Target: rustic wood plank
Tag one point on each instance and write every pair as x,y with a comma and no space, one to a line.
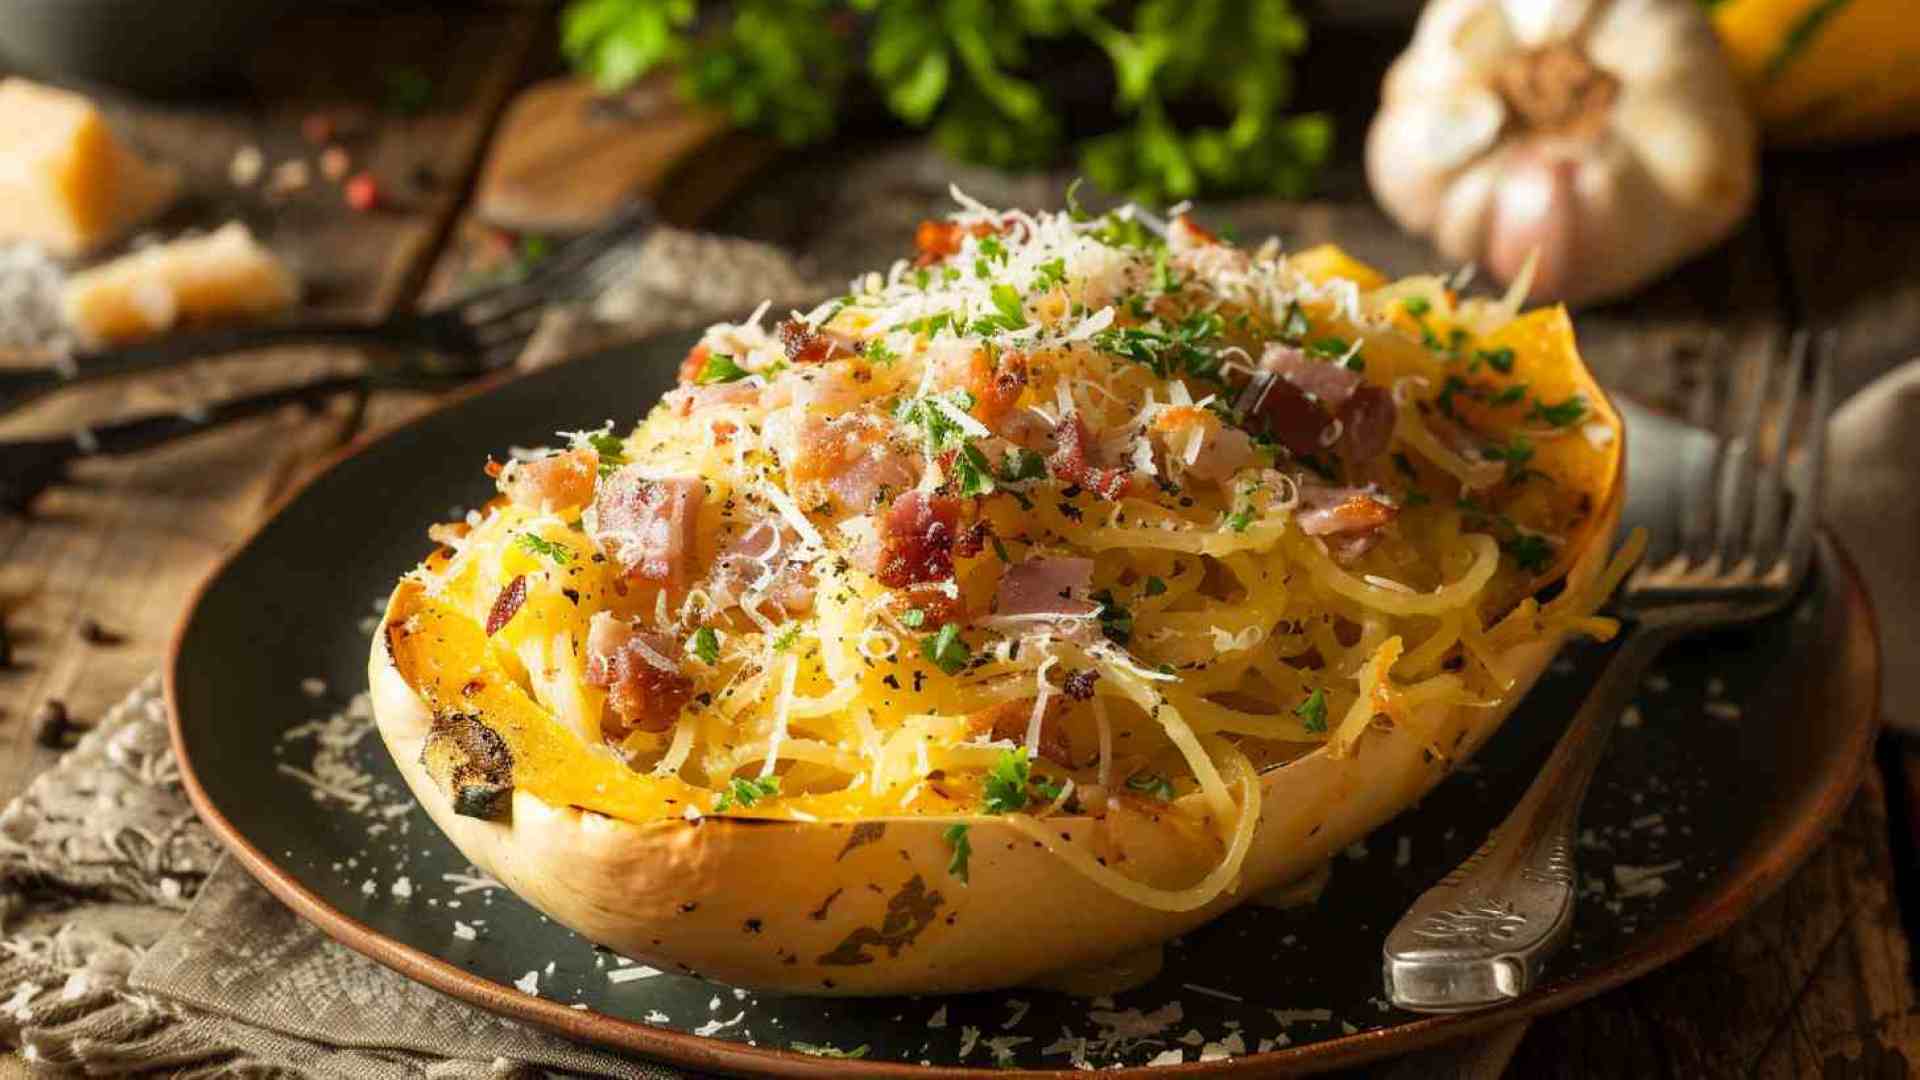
129,540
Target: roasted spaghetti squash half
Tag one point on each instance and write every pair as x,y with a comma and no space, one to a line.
1041,598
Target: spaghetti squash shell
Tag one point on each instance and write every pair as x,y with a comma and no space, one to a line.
870,906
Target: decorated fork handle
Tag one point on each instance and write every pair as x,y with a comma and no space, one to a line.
1481,936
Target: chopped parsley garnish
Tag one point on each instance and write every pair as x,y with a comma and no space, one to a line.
1313,712
1012,315
535,544
1116,622
1331,347
1516,454
946,649
878,353
956,838
1000,549
1021,464
991,247
972,473
745,792
720,368
1164,279
935,425
1052,272
1155,586
789,634
1008,781
1500,360
1417,306
1565,414
1532,553
1510,396
1241,518
1153,784
1074,210
705,644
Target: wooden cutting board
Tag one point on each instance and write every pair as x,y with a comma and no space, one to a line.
565,156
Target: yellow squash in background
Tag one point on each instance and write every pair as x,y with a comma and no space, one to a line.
1826,71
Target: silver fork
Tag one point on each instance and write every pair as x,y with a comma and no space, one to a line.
1482,936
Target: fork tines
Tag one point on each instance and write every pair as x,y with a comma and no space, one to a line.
1744,520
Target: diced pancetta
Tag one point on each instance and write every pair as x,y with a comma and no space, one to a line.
758,563
646,526
1047,585
1349,519
553,484
1366,424
853,460
1330,382
1072,461
1196,443
917,538
1009,721
639,670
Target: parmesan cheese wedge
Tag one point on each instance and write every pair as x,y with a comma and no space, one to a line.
67,183
220,276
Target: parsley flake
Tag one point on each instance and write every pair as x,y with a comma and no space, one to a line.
746,791
1116,622
1500,360
956,838
1532,553
720,368
1148,783
947,650
705,644
1313,712
535,544
1565,414
1007,781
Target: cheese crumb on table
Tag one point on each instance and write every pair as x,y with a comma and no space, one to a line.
67,182
221,276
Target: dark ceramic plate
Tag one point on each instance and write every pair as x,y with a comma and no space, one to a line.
1781,713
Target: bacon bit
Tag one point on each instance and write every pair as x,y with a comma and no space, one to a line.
554,483
1352,518
1283,412
743,563
1069,463
936,240
920,531
973,539
1366,424
996,388
639,691
1332,383
1009,720
507,604
446,533
694,364
849,458
492,468
805,345
1078,684
647,526
1223,450
1050,585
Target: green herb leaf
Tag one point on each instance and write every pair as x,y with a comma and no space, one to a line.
705,644
720,368
1155,586
535,544
1116,622
1021,464
1007,780
956,838
947,650
1500,360
1313,712
745,791
912,618
1564,414
972,473
1007,301
1532,553
789,634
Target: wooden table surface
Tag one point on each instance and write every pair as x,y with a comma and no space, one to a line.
1817,982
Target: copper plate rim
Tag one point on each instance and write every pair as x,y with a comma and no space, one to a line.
1813,816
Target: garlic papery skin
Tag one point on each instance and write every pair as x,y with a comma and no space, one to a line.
1607,136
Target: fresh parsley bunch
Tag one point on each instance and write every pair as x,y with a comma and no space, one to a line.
964,69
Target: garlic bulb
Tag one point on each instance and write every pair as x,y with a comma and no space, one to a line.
1605,140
